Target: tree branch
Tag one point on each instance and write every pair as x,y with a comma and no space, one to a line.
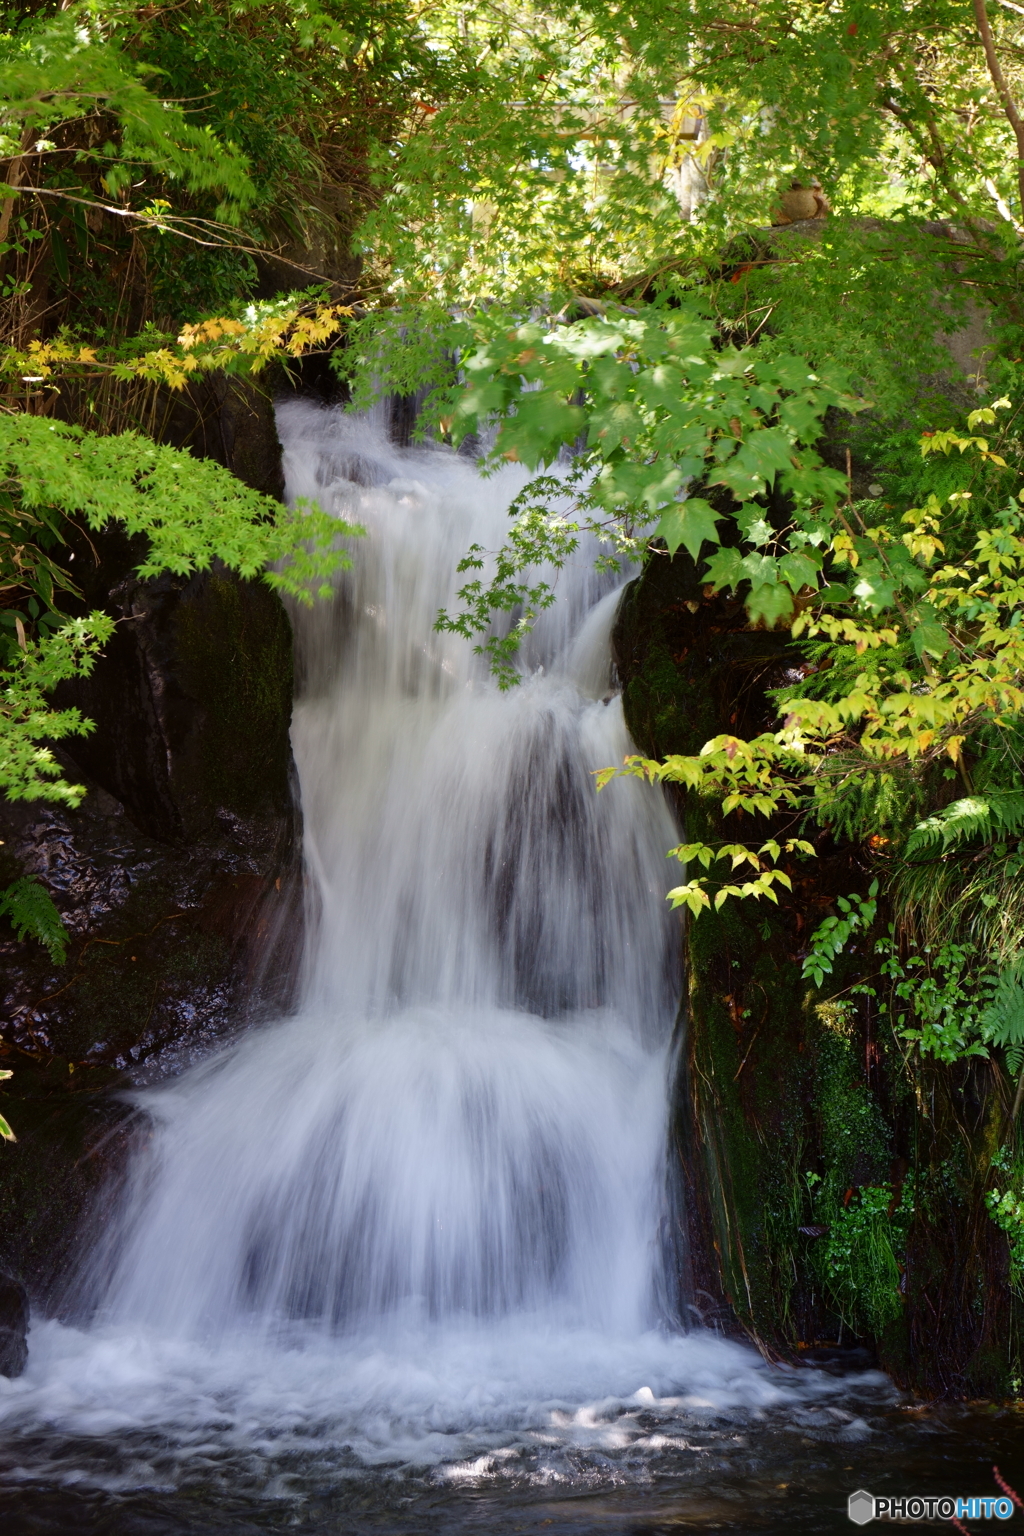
1003,91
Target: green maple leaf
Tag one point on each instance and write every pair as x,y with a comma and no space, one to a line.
769,604
690,522
725,569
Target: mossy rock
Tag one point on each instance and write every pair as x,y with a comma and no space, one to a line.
766,1093
691,669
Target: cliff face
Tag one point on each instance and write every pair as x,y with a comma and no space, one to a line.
178,877
827,1199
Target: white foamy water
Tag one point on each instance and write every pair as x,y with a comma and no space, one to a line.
422,1222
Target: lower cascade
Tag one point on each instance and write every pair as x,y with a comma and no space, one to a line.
424,1219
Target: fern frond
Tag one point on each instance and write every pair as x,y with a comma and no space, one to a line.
29,906
956,823
1002,1021
1007,807
978,818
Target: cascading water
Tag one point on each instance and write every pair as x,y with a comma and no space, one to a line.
421,1221
467,1118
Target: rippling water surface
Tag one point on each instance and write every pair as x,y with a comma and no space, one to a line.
114,1434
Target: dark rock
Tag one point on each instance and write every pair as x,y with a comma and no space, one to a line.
215,416
321,251
178,878
192,704
749,1110
230,420
13,1326
60,1180
179,875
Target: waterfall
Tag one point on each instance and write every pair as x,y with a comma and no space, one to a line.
467,1118
420,1224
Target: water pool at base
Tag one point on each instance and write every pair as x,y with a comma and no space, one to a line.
179,1452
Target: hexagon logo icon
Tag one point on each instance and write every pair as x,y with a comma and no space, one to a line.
861,1506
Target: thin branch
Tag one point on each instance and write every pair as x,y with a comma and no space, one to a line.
15,171
1013,116
172,224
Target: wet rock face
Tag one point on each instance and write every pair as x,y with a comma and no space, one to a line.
178,876
192,705
230,420
690,669
178,879
13,1326
170,945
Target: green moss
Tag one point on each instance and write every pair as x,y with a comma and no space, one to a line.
691,670
122,988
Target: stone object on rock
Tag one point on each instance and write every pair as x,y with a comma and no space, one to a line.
13,1326
801,201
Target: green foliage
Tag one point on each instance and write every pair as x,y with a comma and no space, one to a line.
57,67
857,913
105,117
869,296
28,907
857,1258
6,1134
950,1002
573,126
28,769
858,1262
1006,1208
662,406
192,512
538,536
863,801
989,818
937,1000
1002,1021
697,894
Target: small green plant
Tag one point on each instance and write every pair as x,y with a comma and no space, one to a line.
6,1134
859,1222
948,1002
29,908
857,1262
829,938
1003,1018
1006,1208
944,999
